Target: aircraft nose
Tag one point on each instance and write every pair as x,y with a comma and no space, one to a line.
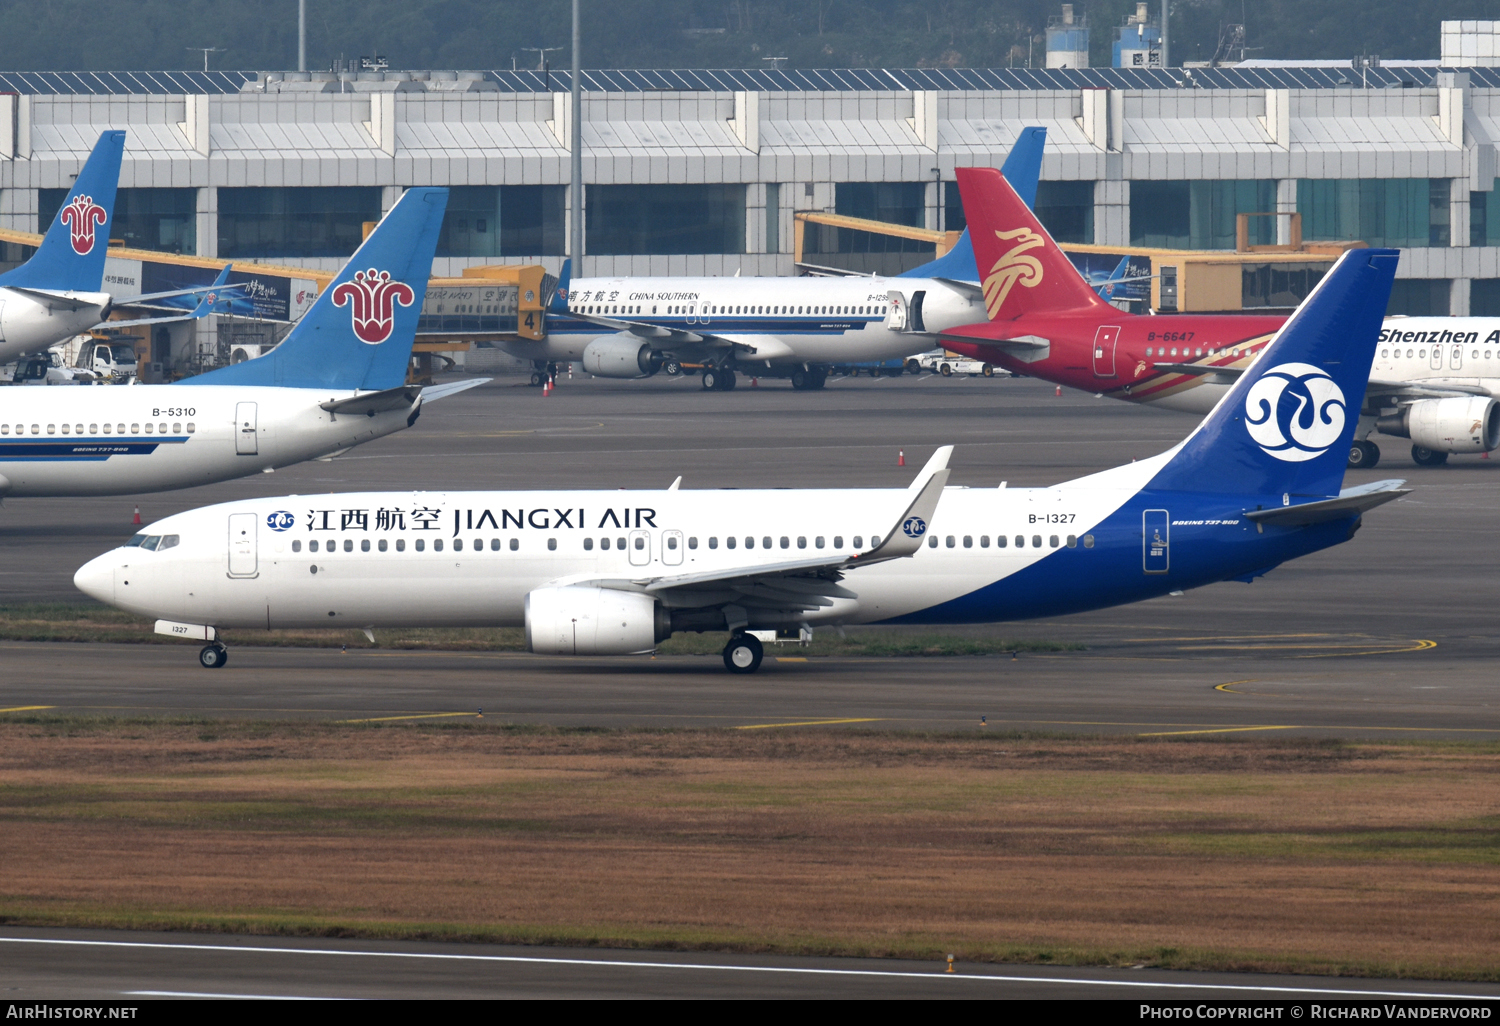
96,578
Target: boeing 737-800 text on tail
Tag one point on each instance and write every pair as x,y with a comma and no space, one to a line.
615,572
337,380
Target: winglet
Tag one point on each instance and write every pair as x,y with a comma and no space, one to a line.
559,301
905,536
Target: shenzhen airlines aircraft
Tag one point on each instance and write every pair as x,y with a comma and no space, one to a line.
1435,379
615,572
769,327
338,379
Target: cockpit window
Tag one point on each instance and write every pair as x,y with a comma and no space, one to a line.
168,541
151,542
135,540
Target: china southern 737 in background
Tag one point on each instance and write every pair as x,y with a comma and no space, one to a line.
337,380
616,572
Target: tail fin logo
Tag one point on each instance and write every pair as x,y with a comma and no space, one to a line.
1015,266
1300,432
80,216
372,297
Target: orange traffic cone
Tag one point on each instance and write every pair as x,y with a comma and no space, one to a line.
137,519
900,457
755,382
1059,390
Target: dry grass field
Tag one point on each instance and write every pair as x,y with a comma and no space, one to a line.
1323,857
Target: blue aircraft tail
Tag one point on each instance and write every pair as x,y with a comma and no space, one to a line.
359,332
1022,169
558,304
71,256
1286,425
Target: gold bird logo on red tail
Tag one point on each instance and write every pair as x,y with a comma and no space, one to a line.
1015,266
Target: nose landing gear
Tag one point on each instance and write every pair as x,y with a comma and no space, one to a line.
213,656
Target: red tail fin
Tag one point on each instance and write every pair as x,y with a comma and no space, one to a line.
1022,269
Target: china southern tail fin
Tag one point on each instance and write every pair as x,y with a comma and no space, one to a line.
1286,425
71,256
359,332
1021,268
1022,169
558,304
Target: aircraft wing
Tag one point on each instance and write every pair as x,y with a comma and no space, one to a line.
801,584
1231,373
1358,499
1436,388
968,289
68,299
207,305
1023,347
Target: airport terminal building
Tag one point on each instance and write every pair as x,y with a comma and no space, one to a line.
702,172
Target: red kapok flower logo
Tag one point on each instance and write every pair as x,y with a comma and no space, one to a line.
372,297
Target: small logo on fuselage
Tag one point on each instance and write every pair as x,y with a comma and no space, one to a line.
1295,412
281,520
914,527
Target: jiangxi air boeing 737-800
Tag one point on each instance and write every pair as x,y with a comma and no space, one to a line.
338,379
615,572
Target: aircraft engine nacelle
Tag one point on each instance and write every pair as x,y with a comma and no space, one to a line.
1467,424
580,620
621,356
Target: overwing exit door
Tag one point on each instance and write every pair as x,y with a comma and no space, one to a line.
640,548
245,431
1104,351
1156,552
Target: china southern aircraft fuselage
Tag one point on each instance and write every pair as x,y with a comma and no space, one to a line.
144,438
33,319
630,327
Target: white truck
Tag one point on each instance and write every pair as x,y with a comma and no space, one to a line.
103,358
940,361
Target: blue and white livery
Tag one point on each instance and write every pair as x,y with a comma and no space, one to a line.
795,328
615,572
338,379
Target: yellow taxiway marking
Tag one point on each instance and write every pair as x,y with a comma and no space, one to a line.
1226,687
416,716
27,708
811,723
1217,730
791,659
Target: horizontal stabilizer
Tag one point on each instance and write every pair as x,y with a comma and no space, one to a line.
443,391
1199,369
60,300
1349,501
370,403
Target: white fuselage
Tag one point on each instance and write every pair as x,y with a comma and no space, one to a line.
30,323
144,438
803,320
471,558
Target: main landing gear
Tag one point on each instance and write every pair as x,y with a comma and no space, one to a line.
1363,455
809,380
1427,457
717,379
743,654
213,656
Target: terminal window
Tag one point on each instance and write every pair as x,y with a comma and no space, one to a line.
1066,210
1399,212
163,220
284,221
627,220
1199,214
503,221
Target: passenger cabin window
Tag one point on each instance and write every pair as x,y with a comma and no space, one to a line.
1072,541
1020,541
1088,541
859,542
951,542
1001,541
384,545
1036,541
588,545
604,544
838,541
364,545
984,541
437,545
296,546
692,543
713,542
515,543
932,541
458,544
400,544
312,546
495,544
421,544
551,544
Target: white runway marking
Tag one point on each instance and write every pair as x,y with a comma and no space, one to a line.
936,974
